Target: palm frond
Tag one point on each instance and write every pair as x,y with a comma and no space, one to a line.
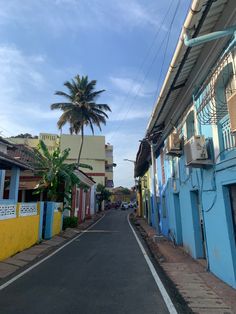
62,106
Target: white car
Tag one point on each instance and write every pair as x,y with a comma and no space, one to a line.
124,205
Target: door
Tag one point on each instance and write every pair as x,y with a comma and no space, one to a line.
179,238
199,228
232,193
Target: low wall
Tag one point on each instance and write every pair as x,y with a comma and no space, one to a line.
57,219
19,227
53,219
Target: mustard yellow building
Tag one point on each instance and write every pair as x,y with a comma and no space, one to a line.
95,153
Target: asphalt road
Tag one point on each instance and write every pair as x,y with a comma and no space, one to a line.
102,272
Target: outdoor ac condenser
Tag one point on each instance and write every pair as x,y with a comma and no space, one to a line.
173,145
195,151
232,112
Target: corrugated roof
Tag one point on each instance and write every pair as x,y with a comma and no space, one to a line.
202,22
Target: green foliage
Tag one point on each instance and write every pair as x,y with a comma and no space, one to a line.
70,222
57,177
103,194
80,109
25,135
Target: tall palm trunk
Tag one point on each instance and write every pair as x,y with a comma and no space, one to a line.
81,145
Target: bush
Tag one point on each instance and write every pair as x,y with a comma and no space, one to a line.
70,222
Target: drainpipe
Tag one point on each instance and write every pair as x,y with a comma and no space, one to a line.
155,190
208,37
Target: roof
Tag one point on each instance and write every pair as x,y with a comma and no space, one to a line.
5,142
84,178
186,71
22,153
142,159
201,19
7,162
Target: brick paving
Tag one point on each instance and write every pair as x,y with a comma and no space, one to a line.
203,292
22,259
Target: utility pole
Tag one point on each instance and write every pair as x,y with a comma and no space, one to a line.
155,189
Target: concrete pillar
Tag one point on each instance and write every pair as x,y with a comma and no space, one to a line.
92,200
49,220
14,184
2,181
41,213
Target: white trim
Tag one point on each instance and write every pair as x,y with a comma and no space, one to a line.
157,279
7,211
6,284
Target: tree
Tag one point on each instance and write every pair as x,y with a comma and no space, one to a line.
103,194
25,135
57,177
81,109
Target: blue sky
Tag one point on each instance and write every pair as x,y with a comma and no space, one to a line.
122,44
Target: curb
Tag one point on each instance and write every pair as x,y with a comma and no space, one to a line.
48,252
179,302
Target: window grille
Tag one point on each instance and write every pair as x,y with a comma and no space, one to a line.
227,137
211,99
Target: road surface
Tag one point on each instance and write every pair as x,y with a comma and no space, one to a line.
102,272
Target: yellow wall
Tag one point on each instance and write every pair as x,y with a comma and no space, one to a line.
98,165
57,223
17,234
93,148
109,175
94,151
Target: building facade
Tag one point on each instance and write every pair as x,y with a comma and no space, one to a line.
95,153
193,128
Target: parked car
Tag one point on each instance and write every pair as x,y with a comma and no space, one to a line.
124,205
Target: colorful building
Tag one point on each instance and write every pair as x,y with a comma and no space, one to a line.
192,130
95,153
21,223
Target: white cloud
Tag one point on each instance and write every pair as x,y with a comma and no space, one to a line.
128,108
62,15
127,85
21,81
17,69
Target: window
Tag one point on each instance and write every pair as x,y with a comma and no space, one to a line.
144,179
175,167
109,153
224,88
190,125
109,168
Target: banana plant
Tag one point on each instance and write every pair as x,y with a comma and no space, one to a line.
57,176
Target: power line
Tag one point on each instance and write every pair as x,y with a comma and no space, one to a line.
155,57
167,43
142,65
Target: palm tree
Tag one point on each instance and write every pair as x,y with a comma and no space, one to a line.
81,109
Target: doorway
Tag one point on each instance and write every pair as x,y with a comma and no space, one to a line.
232,194
198,225
179,237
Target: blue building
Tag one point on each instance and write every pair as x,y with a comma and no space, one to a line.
193,128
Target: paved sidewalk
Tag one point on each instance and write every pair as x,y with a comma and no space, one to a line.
203,292
13,265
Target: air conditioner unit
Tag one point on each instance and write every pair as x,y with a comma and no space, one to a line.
195,151
232,112
173,144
